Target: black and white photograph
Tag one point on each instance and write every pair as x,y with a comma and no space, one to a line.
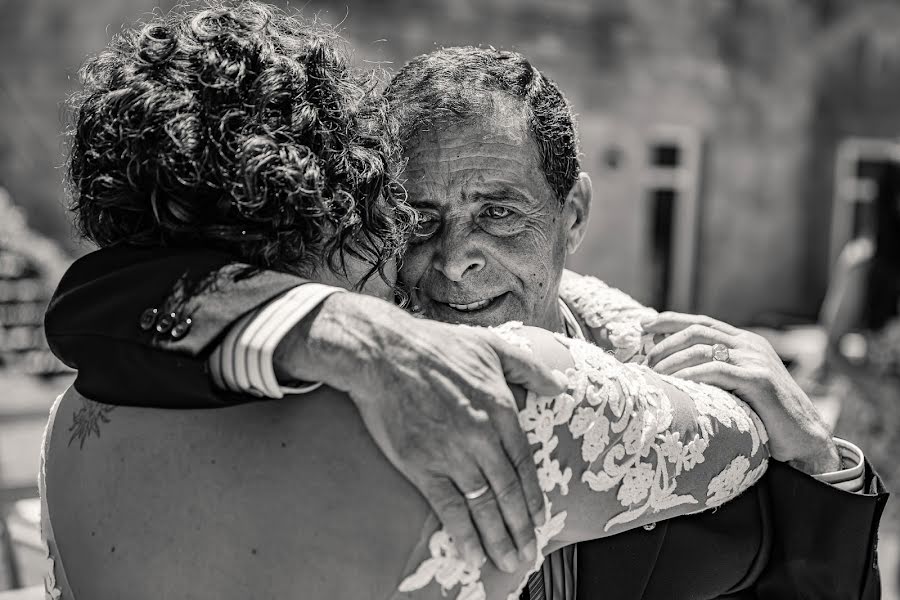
449,299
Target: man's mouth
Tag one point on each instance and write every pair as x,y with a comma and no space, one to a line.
468,307
472,306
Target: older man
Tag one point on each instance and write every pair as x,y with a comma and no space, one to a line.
493,168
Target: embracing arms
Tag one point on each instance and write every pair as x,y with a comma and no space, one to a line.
93,324
623,447
594,446
822,534
141,326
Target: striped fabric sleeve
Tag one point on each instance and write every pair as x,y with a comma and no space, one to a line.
243,362
852,477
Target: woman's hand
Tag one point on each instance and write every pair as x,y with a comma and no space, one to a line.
746,365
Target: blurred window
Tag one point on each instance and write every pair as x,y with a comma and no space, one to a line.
665,155
671,188
859,165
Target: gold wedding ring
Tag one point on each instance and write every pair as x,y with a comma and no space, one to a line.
720,352
476,494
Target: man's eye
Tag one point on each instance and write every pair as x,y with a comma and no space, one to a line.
426,227
497,212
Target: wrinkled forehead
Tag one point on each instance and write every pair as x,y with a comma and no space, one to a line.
493,148
491,117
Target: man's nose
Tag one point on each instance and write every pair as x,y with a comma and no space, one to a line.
457,254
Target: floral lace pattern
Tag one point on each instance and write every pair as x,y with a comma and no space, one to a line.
51,591
51,588
634,451
637,420
628,447
736,477
610,310
625,421
448,569
714,404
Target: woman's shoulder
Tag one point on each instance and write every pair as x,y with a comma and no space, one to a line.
551,348
260,482
613,317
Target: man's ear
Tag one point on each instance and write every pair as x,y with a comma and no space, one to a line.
577,210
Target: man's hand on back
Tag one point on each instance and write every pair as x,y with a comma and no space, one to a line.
437,401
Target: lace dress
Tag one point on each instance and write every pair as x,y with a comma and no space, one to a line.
614,452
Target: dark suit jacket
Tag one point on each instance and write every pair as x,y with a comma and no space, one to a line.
790,536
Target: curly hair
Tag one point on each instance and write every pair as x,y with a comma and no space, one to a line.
450,85
239,128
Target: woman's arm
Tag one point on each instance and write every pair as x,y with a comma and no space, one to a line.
681,345
623,447
640,447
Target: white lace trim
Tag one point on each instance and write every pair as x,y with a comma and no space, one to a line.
607,400
51,591
448,569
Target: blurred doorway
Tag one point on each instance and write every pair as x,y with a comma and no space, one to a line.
644,231
860,163
671,189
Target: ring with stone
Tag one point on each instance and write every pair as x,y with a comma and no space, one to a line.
476,494
720,352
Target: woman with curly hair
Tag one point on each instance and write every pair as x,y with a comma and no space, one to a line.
237,129
242,129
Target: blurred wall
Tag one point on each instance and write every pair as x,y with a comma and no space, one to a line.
42,45
770,87
753,78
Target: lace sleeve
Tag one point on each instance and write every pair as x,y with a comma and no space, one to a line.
623,447
651,446
614,316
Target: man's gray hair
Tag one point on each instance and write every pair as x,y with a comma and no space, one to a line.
454,84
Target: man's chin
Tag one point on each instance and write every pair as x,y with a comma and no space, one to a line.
499,311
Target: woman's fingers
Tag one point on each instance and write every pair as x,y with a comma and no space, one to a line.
691,357
723,375
692,335
672,322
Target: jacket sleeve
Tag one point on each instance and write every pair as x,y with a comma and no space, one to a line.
824,540
139,325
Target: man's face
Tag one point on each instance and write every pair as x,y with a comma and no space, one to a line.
492,243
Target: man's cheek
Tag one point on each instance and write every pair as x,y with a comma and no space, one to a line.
540,254
412,268
535,245
531,261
